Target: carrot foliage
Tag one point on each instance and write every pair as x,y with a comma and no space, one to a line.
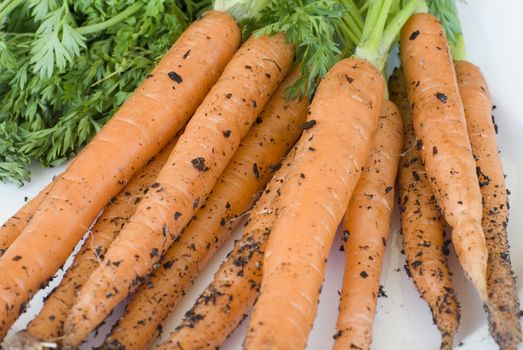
67,65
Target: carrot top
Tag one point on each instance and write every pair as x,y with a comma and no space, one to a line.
384,20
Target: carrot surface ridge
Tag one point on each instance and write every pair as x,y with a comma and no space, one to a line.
224,304
439,123
48,324
210,140
504,308
260,152
144,124
422,226
343,118
365,233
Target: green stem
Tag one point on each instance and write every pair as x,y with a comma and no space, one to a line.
10,7
97,27
459,53
354,13
375,48
422,7
372,17
369,47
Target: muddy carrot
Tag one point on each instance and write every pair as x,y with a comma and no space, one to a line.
225,302
48,324
330,155
145,123
202,153
439,123
276,130
422,226
343,117
501,286
14,226
366,229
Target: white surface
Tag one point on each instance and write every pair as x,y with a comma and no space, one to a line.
493,32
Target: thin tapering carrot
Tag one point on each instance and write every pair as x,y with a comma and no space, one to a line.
261,150
146,122
334,147
439,123
501,285
14,226
209,142
225,302
48,324
366,230
422,226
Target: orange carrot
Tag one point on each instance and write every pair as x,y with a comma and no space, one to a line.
439,123
225,302
338,139
501,285
14,226
146,122
209,142
275,131
48,324
366,229
422,226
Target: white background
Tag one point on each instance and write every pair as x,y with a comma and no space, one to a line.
493,32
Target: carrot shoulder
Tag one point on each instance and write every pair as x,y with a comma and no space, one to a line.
14,226
439,123
225,302
202,153
366,229
146,122
501,285
48,324
422,226
275,132
330,154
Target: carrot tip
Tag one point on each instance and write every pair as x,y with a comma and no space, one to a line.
446,341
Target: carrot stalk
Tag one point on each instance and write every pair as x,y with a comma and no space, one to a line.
439,123
422,226
14,226
501,285
275,132
202,153
366,229
146,122
223,305
48,324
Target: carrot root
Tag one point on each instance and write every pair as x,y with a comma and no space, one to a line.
366,229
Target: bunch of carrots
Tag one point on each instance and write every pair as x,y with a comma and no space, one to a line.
297,128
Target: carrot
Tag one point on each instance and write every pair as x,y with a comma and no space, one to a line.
223,305
209,142
275,131
147,121
439,123
422,226
14,226
501,285
48,324
341,124
366,229
330,155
